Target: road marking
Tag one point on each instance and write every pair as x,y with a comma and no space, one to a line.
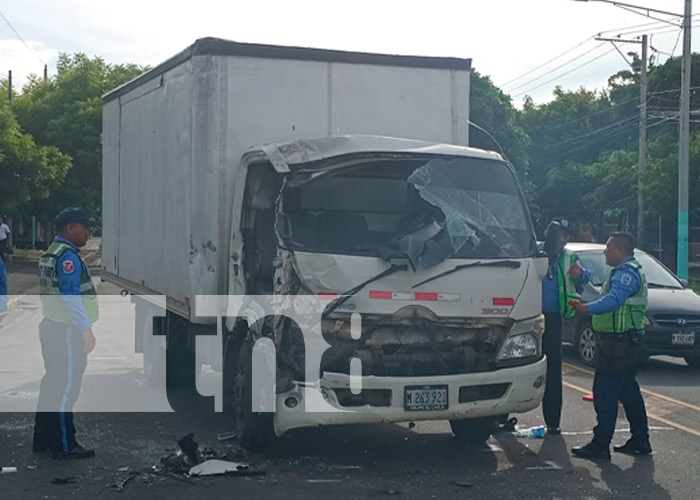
650,415
645,391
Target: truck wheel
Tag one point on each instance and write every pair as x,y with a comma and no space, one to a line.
255,430
180,369
153,355
693,360
585,343
232,348
473,431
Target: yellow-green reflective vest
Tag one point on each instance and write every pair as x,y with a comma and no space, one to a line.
566,283
630,316
52,305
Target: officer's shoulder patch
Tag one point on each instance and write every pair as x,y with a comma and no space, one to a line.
68,266
626,279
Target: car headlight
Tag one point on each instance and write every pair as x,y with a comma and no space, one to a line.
523,340
647,321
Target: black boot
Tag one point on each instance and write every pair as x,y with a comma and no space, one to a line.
632,447
592,451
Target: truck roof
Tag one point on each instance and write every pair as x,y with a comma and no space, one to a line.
220,47
307,151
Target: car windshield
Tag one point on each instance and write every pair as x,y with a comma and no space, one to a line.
472,207
657,275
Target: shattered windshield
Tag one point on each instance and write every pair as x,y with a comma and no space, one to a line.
424,209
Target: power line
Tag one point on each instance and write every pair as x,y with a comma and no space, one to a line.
602,129
546,63
549,72
21,39
564,74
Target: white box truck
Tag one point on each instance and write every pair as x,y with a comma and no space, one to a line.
238,169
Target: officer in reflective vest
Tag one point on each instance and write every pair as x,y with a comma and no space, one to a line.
565,272
69,306
618,320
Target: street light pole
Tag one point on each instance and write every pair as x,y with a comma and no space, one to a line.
642,164
684,148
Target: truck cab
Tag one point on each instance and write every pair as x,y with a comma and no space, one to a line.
424,260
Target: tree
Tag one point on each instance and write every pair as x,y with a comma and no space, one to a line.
493,111
28,173
66,112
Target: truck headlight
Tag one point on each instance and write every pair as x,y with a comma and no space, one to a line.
523,340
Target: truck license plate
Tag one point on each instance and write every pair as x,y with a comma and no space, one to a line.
425,398
683,338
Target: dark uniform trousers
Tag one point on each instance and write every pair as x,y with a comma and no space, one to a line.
63,350
617,361
551,347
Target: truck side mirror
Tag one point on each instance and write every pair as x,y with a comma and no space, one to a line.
541,265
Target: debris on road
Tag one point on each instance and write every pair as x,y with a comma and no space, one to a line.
390,491
120,483
221,467
461,484
226,436
65,480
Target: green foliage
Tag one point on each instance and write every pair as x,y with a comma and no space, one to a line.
493,110
66,112
28,173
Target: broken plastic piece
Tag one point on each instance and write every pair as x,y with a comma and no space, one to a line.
219,467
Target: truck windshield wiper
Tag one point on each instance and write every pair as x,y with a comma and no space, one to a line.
353,291
659,285
513,264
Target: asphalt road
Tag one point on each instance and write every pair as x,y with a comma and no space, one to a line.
341,462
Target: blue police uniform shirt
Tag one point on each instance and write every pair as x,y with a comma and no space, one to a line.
624,283
69,285
3,287
550,286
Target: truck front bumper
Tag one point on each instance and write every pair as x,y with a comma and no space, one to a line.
312,405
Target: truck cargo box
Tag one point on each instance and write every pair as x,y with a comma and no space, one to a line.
173,139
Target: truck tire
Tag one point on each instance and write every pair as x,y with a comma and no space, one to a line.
180,369
255,431
153,356
585,343
473,431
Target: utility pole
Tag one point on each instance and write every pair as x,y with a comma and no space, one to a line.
684,148
9,88
46,72
642,165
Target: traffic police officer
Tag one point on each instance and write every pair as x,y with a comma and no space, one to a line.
69,306
618,320
564,274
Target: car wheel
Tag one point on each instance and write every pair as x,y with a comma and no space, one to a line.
693,361
585,343
473,431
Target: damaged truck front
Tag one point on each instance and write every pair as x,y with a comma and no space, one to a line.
424,259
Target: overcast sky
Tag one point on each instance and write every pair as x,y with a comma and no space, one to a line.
504,38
